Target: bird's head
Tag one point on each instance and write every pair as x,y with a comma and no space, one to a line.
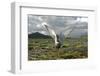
44,23
58,45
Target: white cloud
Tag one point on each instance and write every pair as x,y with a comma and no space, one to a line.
40,18
43,32
38,26
82,19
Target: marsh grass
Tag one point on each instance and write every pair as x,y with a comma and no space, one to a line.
43,49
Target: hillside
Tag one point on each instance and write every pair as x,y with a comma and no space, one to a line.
38,35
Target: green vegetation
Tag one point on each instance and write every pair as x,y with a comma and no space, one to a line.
43,49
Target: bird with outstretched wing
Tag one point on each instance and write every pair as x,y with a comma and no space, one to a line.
58,37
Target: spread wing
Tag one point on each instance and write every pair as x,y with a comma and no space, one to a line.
68,30
50,30
77,25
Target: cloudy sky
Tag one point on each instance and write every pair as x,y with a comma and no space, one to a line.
57,23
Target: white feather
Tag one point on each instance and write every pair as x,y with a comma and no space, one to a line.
51,32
